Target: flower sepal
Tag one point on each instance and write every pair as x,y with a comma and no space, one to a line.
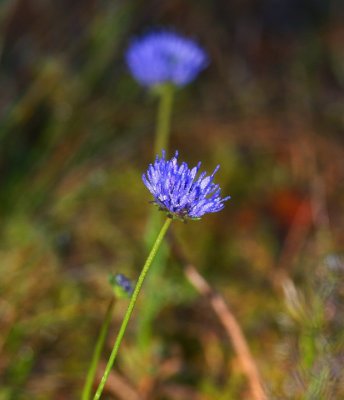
174,216
160,89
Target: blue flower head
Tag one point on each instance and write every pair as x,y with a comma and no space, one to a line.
177,191
165,57
121,285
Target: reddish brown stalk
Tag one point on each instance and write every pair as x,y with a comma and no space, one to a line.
232,328
300,226
293,243
118,386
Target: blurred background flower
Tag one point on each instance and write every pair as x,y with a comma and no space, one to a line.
165,57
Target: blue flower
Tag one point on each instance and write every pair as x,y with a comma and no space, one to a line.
177,191
165,57
121,285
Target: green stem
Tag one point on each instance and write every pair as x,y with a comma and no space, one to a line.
131,306
164,118
165,93
86,393
153,298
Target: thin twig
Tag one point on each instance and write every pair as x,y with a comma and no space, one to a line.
227,319
232,328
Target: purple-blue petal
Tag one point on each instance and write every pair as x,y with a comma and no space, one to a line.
176,189
164,56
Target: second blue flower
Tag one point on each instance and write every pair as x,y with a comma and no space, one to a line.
165,57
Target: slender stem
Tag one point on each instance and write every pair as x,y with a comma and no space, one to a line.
86,393
153,299
131,306
164,118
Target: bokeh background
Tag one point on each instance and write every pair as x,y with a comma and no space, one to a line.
76,133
